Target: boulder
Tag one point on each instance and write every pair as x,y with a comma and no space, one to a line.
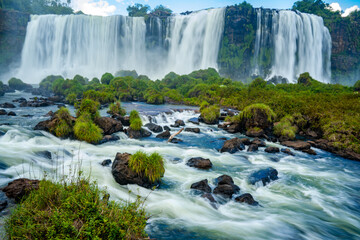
209,197
255,132
153,127
109,125
166,128
232,128
194,130
253,148
272,150
44,125
225,186
258,142
20,188
178,123
106,162
164,135
194,121
309,151
329,146
287,151
45,154
124,175
108,138
199,162
263,175
246,198
297,145
2,112
7,105
245,141
176,140
136,134
11,113
125,120
201,186
232,146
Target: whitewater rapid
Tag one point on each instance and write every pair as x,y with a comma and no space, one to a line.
315,197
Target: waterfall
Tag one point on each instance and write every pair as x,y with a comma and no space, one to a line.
92,45
299,43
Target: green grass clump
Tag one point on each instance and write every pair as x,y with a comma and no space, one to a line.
86,130
253,109
88,106
115,108
64,125
134,114
285,128
210,114
150,166
136,124
74,210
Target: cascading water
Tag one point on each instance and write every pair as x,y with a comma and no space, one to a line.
298,43
91,46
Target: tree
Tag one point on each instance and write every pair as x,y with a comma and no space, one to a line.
138,10
161,10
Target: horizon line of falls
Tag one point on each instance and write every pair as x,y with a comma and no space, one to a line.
92,45
289,43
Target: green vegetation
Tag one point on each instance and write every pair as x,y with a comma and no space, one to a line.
138,10
2,91
75,210
149,166
106,78
71,98
86,130
38,6
17,84
210,114
258,108
64,125
115,108
135,120
90,107
357,86
285,128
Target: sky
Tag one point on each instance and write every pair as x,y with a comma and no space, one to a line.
112,7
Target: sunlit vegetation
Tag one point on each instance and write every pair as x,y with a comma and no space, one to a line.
135,120
150,166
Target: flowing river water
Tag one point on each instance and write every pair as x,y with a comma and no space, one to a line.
315,197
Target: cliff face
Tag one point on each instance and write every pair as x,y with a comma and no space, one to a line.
12,35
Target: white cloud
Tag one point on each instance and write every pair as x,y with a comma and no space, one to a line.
334,7
350,10
94,7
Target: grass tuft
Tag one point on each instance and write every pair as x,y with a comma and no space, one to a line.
150,166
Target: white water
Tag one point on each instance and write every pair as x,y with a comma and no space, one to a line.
300,43
91,46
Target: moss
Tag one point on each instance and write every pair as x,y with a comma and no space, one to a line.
75,210
150,166
86,130
252,109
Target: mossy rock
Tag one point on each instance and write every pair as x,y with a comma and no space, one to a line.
256,116
210,114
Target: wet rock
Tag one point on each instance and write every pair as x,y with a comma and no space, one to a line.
109,125
164,135
136,134
309,151
2,133
246,198
166,128
201,186
125,120
176,140
44,125
263,175
178,123
2,112
194,130
232,128
209,197
108,138
245,141
44,154
287,151
297,145
11,113
7,105
329,146
27,115
106,162
194,121
19,188
232,146
199,162
3,204
255,132
49,114
258,142
20,100
225,186
253,148
153,127
123,174
272,150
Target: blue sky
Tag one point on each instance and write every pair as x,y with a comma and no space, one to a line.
110,7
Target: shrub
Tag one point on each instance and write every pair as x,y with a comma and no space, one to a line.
17,84
86,130
136,124
305,79
115,108
106,78
88,106
254,109
134,114
71,98
150,166
47,82
210,114
258,83
94,81
75,210
80,79
126,73
64,125
285,128
357,86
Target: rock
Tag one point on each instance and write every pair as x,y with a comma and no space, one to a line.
209,197
263,175
194,130
44,125
27,115
232,146
3,204
166,128
178,123
3,112
309,151
176,140
19,188
329,146
255,132
232,128
245,141
136,134
253,148
164,135
2,133
7,105
287,151
11,113
125,120
258,142
20,100
49,114
123,174
108,138
297,145
109,125
194,121
272,150
201,186
246,198
199,162
153,127
45,154
225,186
106,162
